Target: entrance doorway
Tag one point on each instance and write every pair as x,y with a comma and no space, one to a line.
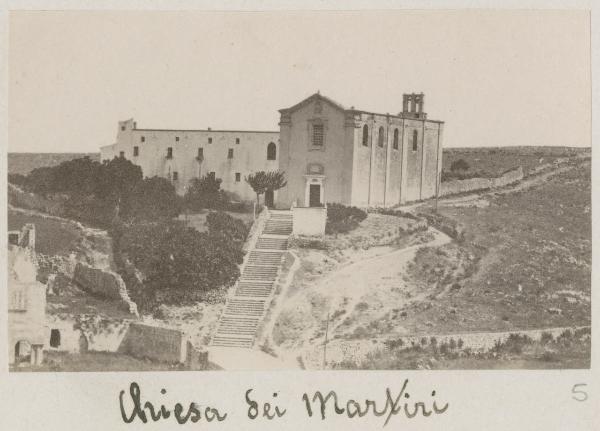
269,199
22,352
314,195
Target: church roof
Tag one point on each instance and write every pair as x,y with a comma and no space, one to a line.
319,96
309,99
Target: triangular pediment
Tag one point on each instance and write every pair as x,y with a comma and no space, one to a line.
315,97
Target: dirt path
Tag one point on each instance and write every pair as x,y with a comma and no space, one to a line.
478,198
340,293
355,280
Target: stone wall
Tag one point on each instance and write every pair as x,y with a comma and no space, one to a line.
309,221
357,351
104,283
474,184
154,342
97,281
81,333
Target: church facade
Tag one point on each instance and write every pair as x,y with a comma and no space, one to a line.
329,153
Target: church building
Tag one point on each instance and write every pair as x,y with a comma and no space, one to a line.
329,153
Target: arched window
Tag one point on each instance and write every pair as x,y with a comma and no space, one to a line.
271,151
380,137
365,138
415,140
395,139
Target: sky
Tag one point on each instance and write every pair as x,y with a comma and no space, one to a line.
496,78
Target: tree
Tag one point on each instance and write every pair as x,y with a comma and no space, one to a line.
262,181
179,264
114,183
152,199
204,192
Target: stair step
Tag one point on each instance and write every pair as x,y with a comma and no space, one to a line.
271,243
232,341
253,293
249,288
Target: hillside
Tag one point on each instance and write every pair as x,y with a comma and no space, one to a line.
23,163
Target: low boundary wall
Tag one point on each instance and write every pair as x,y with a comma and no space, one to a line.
309,221
472,184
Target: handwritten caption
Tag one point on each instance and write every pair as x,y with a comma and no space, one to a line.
394,402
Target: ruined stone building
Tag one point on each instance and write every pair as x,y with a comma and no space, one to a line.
329,153
26,300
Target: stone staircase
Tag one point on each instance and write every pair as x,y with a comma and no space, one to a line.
252,294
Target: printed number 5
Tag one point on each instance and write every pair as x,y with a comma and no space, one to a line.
579,394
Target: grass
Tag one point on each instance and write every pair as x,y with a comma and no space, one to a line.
198,220
53,237
569,351
100,361
525,261
376,230
495,161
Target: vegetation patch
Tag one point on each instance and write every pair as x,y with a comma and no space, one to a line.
524,261
179,264
342,219
571,349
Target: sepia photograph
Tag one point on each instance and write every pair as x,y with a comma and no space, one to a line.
307,190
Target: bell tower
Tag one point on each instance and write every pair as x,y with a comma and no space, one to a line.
413,106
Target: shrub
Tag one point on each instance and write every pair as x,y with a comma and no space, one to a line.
546,337
152,199
452,343
222,224
342,219
17,179
514,343
95,192
362,306
548,356
179,264
459,165
205,192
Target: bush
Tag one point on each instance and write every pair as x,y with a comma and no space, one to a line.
93,192
205,192
17,179
152,199
179,264
459,165
546,337
342,219
220,223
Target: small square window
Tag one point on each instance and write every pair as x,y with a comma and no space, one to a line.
142,139
210,140
136,151
237,141
212,174
121,154
230,153
176,138
238,177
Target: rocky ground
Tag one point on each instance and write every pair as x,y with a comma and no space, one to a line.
524,262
